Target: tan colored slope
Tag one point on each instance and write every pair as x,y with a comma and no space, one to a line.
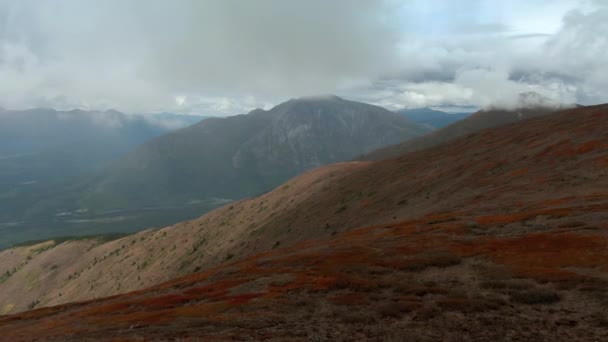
48,274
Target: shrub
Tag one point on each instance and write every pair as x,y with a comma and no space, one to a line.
424,261
349,299
33,304
358,317
393,309
470,305
419,290
536,296
600,319
341,209
505,285
355,284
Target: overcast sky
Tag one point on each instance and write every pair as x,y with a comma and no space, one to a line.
229,56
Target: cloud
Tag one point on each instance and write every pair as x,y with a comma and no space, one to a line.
493,67
271,47
221,57
579,51
143,54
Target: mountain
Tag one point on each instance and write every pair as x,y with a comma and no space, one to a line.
41,145
36,130
432,118
248,154
187,172
485,118
173,121
437,243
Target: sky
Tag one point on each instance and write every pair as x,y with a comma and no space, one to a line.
225,57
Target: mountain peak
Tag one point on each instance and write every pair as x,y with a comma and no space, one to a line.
257,111
321,97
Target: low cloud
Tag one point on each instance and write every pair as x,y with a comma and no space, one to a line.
493,70
143,55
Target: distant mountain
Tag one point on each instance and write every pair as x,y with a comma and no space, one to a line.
432,118
42,145
184,173
173,121
37,130
473,123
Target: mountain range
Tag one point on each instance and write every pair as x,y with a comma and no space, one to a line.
44,145
449,240
184,173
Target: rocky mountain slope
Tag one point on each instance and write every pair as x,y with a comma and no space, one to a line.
513,244
543,176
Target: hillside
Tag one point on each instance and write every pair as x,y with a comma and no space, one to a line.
473,123
181,175
532,177
432,118
513,244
